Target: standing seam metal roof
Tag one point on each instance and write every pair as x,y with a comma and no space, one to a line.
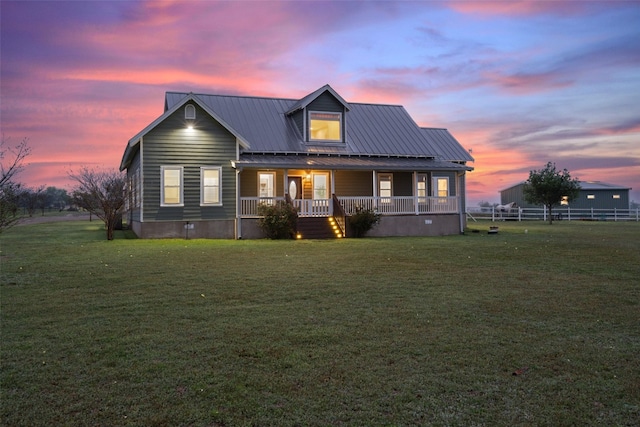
372,129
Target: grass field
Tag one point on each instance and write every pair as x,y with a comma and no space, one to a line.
536,326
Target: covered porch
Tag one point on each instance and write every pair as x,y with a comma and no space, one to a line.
337,187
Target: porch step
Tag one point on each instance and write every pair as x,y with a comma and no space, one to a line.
317,228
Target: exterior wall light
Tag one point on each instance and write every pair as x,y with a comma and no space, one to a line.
190,115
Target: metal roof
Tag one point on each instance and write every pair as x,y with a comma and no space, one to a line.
447,146
372,129
599,185
297,161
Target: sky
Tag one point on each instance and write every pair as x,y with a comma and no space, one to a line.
518,83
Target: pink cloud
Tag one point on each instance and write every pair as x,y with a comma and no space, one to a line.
527,83
517,8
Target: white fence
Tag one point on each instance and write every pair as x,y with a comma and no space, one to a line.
559,214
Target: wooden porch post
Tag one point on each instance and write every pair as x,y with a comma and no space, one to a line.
375,184
286,182
238,207
415,192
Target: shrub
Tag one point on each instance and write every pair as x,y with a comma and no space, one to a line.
363,221
279,220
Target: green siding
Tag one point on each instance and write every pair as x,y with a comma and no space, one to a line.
603,199
354,183
326,102
402,184
172,144
133,174
298,119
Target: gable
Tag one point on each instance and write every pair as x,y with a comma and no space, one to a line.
184,100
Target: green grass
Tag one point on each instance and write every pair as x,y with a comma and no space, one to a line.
352,332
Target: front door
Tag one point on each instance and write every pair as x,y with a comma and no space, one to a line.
295,187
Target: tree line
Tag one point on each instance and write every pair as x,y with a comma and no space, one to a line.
100,192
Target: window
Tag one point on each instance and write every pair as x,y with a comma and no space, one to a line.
210,188
266,184
190,112
385,187
616,196
421,187
171,187
325,127
320,186
591,196
440,186
564,201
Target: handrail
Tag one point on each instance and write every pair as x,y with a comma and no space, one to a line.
339,215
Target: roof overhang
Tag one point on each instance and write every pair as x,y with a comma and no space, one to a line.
293,161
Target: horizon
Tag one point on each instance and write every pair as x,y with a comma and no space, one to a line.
518,84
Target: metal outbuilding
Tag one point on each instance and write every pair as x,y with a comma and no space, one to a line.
592,195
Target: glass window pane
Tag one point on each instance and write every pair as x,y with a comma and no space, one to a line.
266,185
211,195
172,177
210,178
320,186
172,185
171,195
325,127
210,186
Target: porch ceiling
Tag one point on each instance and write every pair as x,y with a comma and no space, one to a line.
293,161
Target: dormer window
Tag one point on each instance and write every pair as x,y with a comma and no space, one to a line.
325,126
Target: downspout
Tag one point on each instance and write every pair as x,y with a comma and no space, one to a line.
238,207
461,195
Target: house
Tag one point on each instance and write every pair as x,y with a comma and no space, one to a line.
202,168
593,194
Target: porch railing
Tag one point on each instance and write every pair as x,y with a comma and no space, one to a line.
383,205
401,205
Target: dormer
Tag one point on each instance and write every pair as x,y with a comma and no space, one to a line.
321,117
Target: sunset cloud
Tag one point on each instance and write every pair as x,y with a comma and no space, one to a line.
519,83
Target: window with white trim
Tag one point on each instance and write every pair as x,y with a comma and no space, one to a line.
171,186
210,186
385,187
325,126
421,187
441,186
320,186
266,184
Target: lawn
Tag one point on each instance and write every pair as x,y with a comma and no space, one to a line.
536,325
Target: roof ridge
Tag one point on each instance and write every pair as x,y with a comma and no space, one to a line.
230,96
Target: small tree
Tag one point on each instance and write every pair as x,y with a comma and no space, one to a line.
548,187
32,198
102,193
363,221
278,220
11,162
